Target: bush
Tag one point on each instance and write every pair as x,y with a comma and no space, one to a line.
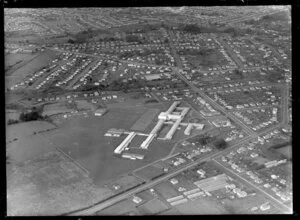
12,121
220,144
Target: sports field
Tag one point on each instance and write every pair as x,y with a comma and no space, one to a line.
82,138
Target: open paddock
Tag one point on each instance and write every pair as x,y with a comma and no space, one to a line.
50,185
25,129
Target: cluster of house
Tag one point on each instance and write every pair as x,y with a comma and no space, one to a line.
267,179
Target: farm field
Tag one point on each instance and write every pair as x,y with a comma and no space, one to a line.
82,138
50,185
26,128
36,64
27,148
17,59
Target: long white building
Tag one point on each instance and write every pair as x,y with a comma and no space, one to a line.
124,143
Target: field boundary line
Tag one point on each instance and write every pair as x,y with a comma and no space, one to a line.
73,161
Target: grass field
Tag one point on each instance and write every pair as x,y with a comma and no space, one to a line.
120,208
27,148
170,212
26,128
166,190
83,139
145,120
50,185
31,67
145,195
200,207
17,59
154,206
149,172
286,151
244,205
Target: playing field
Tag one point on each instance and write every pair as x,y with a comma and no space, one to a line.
82,138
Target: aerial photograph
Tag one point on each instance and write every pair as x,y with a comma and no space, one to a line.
148,111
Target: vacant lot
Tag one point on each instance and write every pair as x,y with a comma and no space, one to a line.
120,208
286,151
56,108
50,185
145,195
149,172
200,207
244,205
83,139
125,182
166,190
154,206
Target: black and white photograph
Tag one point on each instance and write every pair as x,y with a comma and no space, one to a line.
148,110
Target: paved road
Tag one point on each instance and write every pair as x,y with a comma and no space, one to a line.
232,53
279,204
102,205
217,106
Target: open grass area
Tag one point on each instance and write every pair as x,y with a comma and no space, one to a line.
149,172
203,206
26,129
27,148
120,208
82,138
31,67
166,190
17,59
50,185
244,205
153,207
145,120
